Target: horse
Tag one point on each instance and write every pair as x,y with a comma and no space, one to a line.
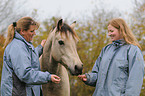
59,55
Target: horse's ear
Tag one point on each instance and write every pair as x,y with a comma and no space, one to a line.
59,24
73,25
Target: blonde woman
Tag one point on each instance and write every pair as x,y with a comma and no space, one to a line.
119,69
21,75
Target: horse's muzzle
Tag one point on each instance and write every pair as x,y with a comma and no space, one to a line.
78,69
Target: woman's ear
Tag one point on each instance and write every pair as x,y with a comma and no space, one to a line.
22,32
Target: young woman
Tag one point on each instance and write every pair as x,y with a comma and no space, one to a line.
21,75
119,69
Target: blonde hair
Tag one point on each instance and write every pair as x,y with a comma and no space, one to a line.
22,24
124,29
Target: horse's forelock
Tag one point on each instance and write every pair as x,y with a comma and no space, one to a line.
65,29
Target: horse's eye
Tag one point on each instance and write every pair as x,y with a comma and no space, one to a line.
61,42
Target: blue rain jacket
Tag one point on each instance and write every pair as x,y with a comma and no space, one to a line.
118,71
21,75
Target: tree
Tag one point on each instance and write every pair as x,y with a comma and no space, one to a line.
10,11
138,22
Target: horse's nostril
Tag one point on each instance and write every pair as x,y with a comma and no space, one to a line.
82,65
78,69
75,66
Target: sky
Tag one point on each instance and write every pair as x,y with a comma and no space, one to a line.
76,8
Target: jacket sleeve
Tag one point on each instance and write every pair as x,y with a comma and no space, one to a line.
136,72
21,63
39,49
93,76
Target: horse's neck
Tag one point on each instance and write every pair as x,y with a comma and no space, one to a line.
48,63
53,66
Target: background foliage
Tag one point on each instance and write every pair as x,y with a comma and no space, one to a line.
93,37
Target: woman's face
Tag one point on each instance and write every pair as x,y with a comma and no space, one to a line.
28,35
114,33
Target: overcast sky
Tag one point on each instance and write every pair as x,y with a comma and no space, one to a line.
76,8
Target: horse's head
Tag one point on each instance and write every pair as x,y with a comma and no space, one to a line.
63,48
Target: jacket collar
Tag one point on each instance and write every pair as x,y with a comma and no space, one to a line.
20,37
118,43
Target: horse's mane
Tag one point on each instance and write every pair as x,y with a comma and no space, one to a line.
65,29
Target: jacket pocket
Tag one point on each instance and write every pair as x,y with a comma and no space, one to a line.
121,74
122,66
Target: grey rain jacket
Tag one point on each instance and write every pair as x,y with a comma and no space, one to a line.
21,75
118,71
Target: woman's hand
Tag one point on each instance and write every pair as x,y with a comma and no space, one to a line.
55,78
82,77
43,43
